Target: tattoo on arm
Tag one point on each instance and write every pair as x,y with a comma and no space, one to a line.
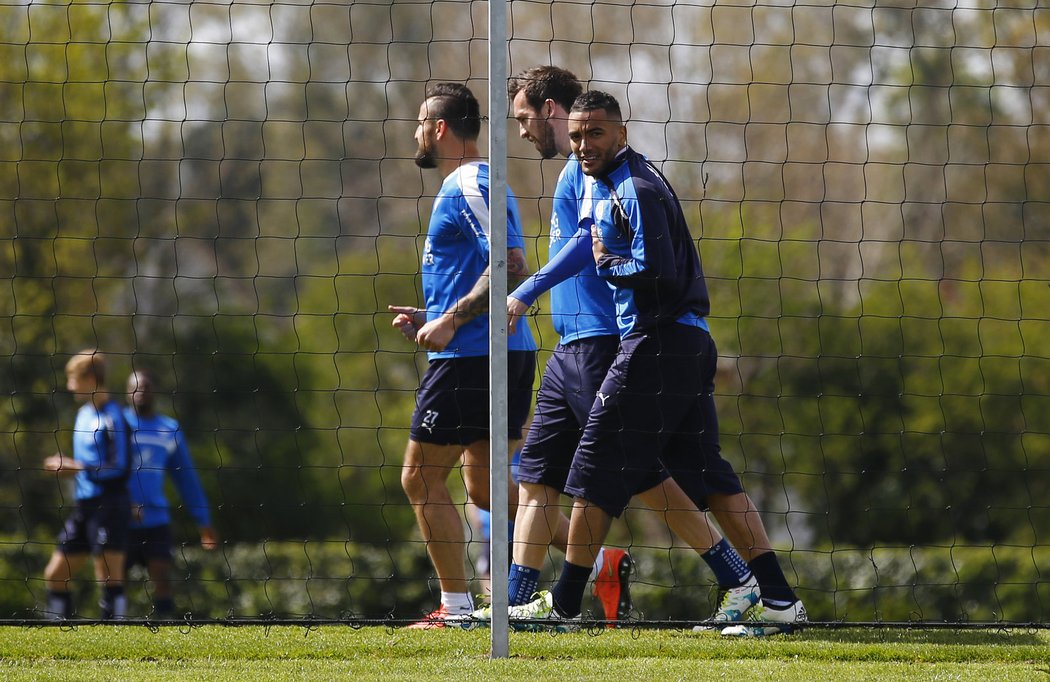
476,302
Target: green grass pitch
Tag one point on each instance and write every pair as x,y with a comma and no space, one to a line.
257,652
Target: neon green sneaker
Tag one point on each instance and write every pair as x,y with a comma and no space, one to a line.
483,613
736,602
530,617
763,621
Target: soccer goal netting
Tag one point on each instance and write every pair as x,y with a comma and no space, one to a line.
222,194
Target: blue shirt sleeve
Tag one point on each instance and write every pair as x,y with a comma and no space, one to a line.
570,261
184,474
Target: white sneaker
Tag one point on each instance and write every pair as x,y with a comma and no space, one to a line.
735,603
764,621
530,616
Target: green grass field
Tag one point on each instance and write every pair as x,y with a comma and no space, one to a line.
133,652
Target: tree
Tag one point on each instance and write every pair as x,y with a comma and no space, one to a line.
67,89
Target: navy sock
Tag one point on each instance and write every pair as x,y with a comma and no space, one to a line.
729,568
164,608
568,591
59,605
771,580
522,583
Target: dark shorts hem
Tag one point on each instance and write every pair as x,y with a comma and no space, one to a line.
146,544
570,381
452,403
97,525
656,409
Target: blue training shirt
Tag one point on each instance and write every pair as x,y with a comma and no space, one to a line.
100,444
456,253
581,302
159,449
652,261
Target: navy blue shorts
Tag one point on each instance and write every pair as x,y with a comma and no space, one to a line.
570,382
149,544
97,525
452,403
655,409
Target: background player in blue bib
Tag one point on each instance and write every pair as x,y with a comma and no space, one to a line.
159,451
98,524
451,419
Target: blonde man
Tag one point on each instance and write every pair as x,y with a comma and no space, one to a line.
98,525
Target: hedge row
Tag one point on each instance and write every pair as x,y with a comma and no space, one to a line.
348,580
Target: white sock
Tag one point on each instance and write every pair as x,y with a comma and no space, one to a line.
598,563
457,603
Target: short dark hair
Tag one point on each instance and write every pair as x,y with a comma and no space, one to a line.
541,83
458,107
592,100
147,374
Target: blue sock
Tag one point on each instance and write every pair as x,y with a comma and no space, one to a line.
568,591
522,583
729,568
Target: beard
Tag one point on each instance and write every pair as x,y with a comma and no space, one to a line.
425,158
546,146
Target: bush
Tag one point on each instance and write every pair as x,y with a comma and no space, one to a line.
362,581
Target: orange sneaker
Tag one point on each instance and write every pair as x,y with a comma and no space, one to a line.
612,586
441,618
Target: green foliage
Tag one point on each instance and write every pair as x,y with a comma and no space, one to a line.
357,378
908,411
920,435
885,381
1000,583
184,267
269,579
892,584
69,138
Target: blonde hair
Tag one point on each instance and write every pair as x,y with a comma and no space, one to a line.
88,362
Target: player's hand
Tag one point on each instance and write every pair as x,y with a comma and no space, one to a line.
515,309
407,320
436,334
54,462
209,538
61,464
597,246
